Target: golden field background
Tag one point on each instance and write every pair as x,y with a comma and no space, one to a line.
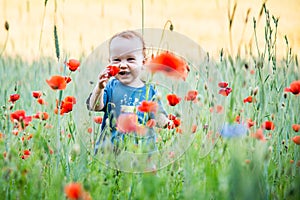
83,25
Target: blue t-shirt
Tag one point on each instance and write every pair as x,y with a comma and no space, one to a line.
119,98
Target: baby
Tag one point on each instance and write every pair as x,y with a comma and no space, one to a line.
124,92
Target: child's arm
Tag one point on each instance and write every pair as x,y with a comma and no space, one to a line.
96,98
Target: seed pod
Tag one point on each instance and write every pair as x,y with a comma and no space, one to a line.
6,26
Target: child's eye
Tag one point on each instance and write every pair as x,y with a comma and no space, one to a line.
131,59
116,60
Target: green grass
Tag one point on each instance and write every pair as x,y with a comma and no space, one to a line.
237,168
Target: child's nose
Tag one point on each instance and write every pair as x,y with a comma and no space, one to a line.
122,65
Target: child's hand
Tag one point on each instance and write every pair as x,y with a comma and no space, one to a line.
109,71
102,79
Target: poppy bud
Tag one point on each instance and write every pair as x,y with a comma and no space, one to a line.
255,91
6,26
171,27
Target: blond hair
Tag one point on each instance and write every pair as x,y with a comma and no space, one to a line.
129,34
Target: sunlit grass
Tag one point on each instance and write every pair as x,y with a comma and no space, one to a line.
237,168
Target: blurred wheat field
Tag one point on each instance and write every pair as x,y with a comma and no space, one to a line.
83,25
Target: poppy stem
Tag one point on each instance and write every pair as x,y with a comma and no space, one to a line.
163,32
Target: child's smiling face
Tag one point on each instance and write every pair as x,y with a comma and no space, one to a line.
127,54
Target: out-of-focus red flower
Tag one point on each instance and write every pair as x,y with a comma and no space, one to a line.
98,119
177,122
296,139
57,82
194,128
37,94
237,119
268,125
90,130
17,115
70,99
259,135
41,115
73,64
191,95
296,127
26,154
174,123
148,106
74,190
14,97
127,122
250,123
113,70
294,88
151,123
223,84
173,99
225,91
169,64
20,116
68,79
248,99
219,108
171,117
41,101
66,105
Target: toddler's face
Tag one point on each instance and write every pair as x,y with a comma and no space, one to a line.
127,54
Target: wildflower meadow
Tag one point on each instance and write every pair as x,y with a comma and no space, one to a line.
233,130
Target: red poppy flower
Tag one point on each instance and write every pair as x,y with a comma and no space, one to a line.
219,108
296,139
17,115
248,99
73,64
57,82
177,122
70,99
191,95
223,84
294,87
26,152
148,106
259,135
171,117
173,99
169,64
98,119
41,115
194,128
68,79
74,190
151,123
90,130
127,123
296,127
268,125
37,94
14,97
225,91
250,123
113,70
66,105
41,101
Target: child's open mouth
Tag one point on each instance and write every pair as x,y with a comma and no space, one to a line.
123,73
